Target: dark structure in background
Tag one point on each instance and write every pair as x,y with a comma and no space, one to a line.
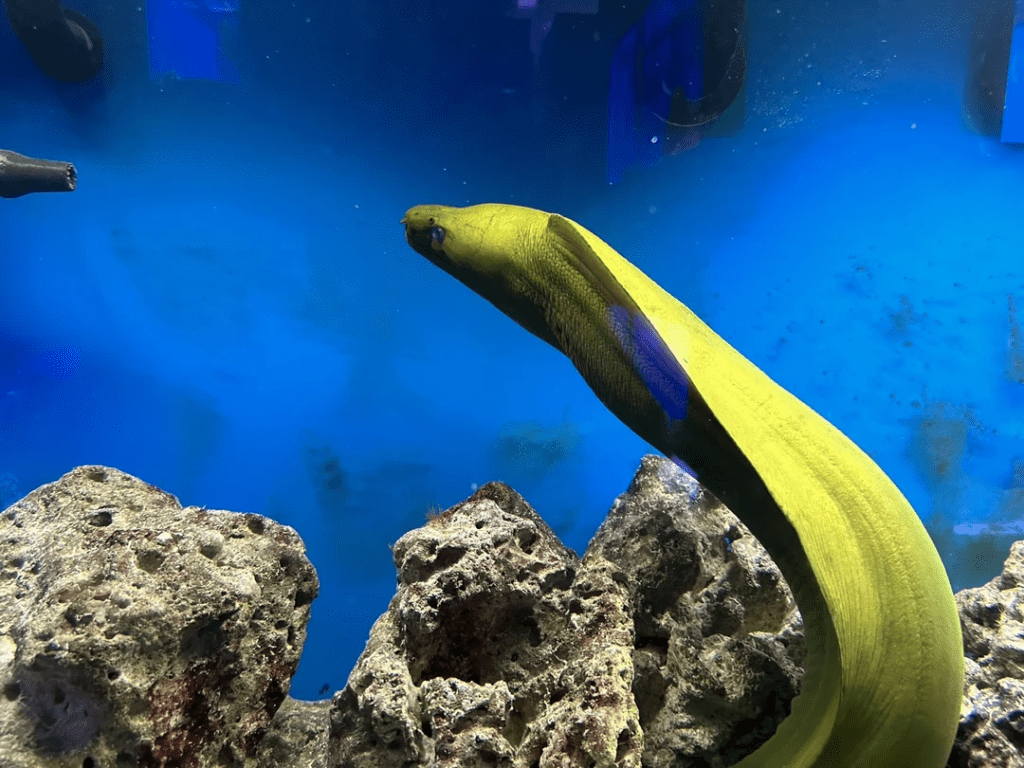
20,175
674,77
186,39
985,87
63,43
1013,112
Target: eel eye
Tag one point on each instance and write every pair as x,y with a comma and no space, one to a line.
437,235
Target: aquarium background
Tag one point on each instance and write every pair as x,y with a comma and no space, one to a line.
227,308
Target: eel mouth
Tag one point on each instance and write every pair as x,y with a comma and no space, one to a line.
418,235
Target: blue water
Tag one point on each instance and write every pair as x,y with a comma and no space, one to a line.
227,308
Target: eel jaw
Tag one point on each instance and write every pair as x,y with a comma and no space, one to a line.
419,238
419,223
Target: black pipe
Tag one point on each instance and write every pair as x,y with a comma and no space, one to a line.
20,175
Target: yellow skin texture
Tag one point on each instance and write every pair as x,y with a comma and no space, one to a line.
884,672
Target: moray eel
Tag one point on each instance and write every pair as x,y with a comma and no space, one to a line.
883,677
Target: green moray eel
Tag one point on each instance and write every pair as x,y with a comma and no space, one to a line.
883,676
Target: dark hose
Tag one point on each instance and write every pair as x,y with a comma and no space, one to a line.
20,175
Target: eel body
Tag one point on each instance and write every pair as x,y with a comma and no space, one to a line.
883,677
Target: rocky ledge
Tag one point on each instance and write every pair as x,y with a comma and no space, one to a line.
135,632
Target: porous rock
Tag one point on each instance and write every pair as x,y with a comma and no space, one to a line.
135,632
297,736
719,641
991,732
497,650
501,648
